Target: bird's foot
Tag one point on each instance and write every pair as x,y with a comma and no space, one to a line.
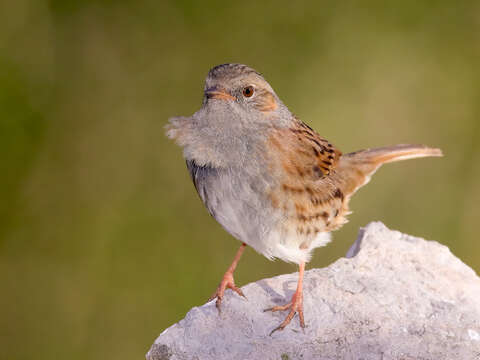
295,305
226,283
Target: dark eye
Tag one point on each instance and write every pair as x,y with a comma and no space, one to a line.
248,91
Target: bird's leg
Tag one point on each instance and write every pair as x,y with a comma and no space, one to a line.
295,305
227,280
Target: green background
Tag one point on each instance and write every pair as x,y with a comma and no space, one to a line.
103,240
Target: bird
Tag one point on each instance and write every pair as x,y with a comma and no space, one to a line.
267,177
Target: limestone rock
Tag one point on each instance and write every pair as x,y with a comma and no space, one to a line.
393,297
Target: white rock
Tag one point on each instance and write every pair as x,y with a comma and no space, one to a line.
393,297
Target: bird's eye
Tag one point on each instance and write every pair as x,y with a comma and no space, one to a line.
248,91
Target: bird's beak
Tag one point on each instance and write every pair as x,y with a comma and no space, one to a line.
216,93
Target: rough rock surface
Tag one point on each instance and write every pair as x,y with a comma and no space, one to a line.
393,297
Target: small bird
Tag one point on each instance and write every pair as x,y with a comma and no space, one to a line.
268,178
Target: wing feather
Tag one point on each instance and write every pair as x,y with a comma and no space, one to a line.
308,191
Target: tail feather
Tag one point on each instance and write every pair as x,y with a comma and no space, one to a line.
357,167
388,154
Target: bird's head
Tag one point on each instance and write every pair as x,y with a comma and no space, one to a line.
239,108
240,87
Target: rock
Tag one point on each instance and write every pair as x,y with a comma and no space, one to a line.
393,297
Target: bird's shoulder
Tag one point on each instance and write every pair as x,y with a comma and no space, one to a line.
302,152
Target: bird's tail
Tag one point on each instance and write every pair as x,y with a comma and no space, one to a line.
357,167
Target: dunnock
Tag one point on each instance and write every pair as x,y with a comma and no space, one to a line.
267,177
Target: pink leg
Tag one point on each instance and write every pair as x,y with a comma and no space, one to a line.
295,305
227,280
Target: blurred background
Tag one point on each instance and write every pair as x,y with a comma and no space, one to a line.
103,240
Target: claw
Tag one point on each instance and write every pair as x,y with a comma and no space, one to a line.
238,291
295,305
213,296
226,283
279,308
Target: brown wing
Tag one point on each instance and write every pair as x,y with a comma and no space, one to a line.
304,152
307,192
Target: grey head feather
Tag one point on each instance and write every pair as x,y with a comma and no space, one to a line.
228,72
230,69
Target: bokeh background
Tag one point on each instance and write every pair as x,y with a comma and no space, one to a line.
103,240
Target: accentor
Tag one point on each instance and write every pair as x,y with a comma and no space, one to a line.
268,178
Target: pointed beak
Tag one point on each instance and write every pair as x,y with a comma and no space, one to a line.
217,93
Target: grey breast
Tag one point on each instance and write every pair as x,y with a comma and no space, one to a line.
236,199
